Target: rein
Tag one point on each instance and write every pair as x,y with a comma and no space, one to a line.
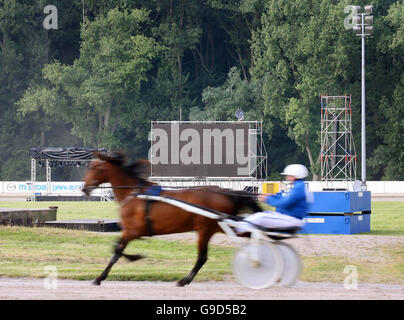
121,187
250,194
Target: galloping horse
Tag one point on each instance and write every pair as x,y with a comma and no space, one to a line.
147,218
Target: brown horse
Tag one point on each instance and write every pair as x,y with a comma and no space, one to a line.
146,218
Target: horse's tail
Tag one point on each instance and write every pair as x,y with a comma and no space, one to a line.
243,200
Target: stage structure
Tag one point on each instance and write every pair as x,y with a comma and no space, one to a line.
229,154
58,157
338,155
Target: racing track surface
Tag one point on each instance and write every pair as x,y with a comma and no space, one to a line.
33,289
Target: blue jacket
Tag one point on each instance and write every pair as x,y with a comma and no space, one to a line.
294,203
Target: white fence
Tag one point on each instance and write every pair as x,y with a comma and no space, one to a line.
376,187
396,187
24,188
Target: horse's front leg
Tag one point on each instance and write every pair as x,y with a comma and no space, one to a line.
203,240
119,247
118,252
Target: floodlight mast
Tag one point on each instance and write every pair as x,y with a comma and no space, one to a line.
363,26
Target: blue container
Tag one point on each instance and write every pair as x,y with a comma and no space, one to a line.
337,224
339,212
341,202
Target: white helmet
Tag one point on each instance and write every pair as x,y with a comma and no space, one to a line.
298,171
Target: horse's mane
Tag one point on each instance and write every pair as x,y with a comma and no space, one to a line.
137,169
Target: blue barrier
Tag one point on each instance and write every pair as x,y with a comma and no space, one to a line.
340,201
339,212
337,224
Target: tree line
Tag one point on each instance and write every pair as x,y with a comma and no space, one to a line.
110,67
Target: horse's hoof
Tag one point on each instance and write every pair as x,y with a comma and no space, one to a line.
96,282
182,283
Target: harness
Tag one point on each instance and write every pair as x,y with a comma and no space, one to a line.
153,190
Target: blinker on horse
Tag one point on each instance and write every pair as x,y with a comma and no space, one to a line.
141,218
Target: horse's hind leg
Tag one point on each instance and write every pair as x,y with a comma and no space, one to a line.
203,240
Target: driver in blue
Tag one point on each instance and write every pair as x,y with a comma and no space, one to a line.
291,208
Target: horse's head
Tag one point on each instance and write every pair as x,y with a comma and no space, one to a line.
99,170
102,169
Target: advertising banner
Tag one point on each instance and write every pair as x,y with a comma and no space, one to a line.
41,188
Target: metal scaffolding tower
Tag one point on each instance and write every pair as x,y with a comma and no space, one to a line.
338,155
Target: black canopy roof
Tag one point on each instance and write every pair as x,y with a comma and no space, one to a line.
64,154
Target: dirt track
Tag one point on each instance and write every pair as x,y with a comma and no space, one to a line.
27,289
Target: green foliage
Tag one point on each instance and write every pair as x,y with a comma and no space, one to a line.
25,47
93,93
112,66
221,103
389,156
302,51
395,18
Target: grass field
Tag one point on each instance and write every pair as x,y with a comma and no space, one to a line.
24,252
387,218
83,255
72,210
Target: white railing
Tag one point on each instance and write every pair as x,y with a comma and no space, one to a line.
376,187
24,188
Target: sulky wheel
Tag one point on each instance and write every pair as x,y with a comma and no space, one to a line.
291,264
257,265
